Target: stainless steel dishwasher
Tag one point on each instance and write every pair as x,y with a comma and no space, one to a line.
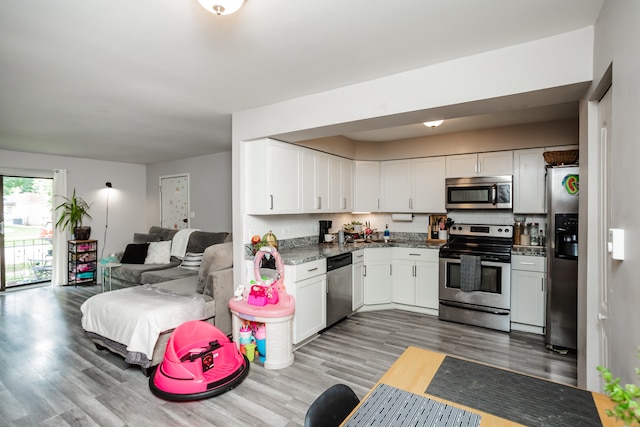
339,288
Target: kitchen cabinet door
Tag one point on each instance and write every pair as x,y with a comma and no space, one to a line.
358,279
428,192
528,293
274,177
528,301
367,186
340,184
427,284
315,179
462,165
311,307
395,179
529,181
494,163
377,276
404,282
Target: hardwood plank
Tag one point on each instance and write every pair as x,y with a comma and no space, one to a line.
51,374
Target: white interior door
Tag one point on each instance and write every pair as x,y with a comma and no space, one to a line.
604,291
174,201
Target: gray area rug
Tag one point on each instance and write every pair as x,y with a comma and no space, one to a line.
516,397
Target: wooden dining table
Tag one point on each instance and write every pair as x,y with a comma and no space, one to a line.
410,379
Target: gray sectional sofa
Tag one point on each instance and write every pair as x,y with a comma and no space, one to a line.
129,274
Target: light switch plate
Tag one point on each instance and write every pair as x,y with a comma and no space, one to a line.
616,243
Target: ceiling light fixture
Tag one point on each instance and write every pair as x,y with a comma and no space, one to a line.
433,124
221,7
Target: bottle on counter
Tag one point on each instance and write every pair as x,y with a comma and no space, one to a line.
541,241
525,237
534,234
387,234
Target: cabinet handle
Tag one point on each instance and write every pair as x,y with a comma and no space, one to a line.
414,271
410,203
344,203
414,254
271,201
359,256
390,270
378,203
364,271
542,284
312,269
527,263
319,204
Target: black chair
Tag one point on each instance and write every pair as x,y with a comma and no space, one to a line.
331,407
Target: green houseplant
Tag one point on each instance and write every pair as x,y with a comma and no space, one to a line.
72,212
626,399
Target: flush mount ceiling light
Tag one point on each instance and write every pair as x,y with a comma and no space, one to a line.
433,124
221,7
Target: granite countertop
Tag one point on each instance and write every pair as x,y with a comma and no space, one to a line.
529,250
302,254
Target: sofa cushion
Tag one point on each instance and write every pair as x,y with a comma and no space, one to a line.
216,257
200,240
191,261
159,253
160,276
132,273
145,238
135,253
164,233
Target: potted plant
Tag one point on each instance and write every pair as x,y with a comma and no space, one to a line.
627,398
72,212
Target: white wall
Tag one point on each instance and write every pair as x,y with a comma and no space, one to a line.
562,60
127,201
210,190
617,37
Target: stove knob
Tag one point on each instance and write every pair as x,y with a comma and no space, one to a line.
499,230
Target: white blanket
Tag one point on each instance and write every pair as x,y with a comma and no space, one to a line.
136,316
180,241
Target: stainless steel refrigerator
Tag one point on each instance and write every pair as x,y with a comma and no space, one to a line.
562,257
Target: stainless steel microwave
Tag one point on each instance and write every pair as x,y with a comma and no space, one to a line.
485,192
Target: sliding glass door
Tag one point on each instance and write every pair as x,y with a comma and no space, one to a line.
26,231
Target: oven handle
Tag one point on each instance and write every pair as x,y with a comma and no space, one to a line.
503,264
491,310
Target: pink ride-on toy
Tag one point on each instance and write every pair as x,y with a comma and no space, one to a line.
200,362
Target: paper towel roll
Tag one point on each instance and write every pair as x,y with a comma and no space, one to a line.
402,217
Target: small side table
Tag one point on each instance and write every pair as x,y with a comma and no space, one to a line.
108,267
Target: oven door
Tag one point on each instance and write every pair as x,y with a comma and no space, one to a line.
495,287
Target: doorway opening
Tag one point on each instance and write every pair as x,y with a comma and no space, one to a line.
26,234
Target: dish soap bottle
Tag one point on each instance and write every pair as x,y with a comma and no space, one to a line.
386,233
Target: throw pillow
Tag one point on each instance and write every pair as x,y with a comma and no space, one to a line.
145,238
191,261
135,253
159,253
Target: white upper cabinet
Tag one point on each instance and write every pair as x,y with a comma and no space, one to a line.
315,181
494,163
340,184
415,185
367,186
428,185
395,178
528,181
274,177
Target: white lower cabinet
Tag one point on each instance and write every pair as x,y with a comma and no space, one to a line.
358,279
528,293
415,277
308,284
377,276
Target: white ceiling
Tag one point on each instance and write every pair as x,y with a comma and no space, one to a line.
154,80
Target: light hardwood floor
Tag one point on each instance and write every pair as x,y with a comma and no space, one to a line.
51,375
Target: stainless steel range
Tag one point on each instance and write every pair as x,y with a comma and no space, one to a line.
475,276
